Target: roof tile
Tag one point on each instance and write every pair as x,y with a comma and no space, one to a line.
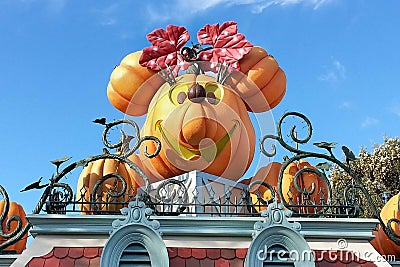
82,262
330,256
221,263
236,263
91,253
199,253
52,262
67,262
172,252
95,262
177,262
76,253
60,253
339,264
228,254
241,253
184,252
325,264
36,262
205,263
213,253
368,264
48,255
353,264
359,260
192,262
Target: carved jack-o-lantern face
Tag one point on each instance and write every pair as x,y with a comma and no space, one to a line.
203,125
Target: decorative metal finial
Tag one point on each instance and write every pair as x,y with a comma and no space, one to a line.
35,185
101,121
60,161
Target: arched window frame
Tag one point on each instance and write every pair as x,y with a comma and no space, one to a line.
135,229
276,230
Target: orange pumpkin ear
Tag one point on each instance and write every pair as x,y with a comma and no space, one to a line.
264,83
132,86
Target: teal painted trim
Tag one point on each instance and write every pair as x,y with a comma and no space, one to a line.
134,234
137,213
276,230
199,226
281,235
8,259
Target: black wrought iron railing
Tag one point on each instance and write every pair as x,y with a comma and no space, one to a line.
174,196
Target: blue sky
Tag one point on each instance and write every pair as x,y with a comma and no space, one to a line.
341,59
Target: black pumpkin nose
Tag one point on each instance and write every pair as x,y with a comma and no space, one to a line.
196,93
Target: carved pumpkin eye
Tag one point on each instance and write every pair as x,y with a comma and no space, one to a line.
181,97
211,98
178,93
214,92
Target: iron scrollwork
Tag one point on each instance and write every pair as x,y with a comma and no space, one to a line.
353,193
18,232
172,195
57,195
124,150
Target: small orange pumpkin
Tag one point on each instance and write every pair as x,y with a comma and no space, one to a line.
125,83
381,242
305,181
268,174
15,209
262,70
96,170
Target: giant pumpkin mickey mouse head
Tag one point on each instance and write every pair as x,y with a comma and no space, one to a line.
201,117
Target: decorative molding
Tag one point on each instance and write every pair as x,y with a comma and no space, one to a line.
276,230
137,213
204,226
275,215
136,228
134,234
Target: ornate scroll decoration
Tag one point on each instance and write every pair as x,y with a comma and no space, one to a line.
14,236
138,213
275,215
261,201
57,195
124,151
173,196
351,194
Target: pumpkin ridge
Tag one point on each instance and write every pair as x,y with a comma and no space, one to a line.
247,136
133,69
126,106
272,78
264,90
277,100
259,87
261,59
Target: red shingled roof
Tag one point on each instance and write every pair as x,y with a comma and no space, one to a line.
68,257
187,257
207,257
340,258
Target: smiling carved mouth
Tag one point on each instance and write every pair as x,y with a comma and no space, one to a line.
209,153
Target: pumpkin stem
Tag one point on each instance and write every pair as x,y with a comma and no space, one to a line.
194,69
223,73
167,74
